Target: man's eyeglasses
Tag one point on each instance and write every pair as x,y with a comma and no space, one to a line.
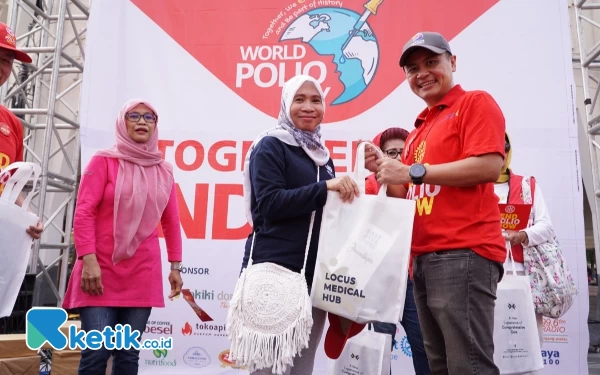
135,117
393,153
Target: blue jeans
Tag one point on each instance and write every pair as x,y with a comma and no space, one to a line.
410,323
125,362
455,292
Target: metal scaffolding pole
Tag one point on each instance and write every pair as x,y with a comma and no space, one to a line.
45,96
589,51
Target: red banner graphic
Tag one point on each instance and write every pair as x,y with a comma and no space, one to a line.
351,46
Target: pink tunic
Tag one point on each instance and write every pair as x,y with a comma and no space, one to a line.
134,282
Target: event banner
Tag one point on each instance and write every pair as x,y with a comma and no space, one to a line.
214,72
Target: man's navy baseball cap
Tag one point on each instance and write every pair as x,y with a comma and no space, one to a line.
432,41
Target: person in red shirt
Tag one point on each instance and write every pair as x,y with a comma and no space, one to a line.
449,165
11,130
391,141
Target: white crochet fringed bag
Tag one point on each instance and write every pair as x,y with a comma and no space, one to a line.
270,314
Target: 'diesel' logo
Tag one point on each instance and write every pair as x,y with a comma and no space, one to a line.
351,47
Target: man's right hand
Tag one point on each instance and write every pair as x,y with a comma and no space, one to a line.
35,231
91,276
372,153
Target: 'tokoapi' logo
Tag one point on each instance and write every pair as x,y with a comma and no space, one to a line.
204,329
351,47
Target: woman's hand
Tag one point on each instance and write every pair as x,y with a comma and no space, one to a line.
345,186
176,283
515,237
91,276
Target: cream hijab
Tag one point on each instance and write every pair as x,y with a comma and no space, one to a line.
288,133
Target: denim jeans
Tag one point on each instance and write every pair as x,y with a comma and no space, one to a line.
410,323
125,362
455,292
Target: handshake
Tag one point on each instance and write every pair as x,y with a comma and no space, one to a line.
387,171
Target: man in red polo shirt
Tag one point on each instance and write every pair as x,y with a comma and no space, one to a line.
449,165
11,130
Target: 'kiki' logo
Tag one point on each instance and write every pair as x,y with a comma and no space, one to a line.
204,295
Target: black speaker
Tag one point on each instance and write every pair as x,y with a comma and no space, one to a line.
15,323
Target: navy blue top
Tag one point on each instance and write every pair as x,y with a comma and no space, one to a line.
285,192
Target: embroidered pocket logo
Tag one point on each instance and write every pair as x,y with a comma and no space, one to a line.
4,129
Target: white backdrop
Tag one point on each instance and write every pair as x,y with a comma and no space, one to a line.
186,60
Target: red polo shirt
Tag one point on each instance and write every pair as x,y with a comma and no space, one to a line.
11,139
462,125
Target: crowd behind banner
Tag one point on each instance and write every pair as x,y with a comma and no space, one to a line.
313,265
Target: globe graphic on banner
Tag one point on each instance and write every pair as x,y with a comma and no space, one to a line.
326,30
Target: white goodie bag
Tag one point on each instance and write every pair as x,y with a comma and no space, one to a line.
367,353
364,250
14,221
516,339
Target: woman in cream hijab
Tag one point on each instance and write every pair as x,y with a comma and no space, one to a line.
288,173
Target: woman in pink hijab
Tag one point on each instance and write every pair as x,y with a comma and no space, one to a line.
124,194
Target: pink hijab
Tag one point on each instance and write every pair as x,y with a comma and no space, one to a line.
142,189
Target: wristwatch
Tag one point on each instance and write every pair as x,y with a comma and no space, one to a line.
416,172
176,266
